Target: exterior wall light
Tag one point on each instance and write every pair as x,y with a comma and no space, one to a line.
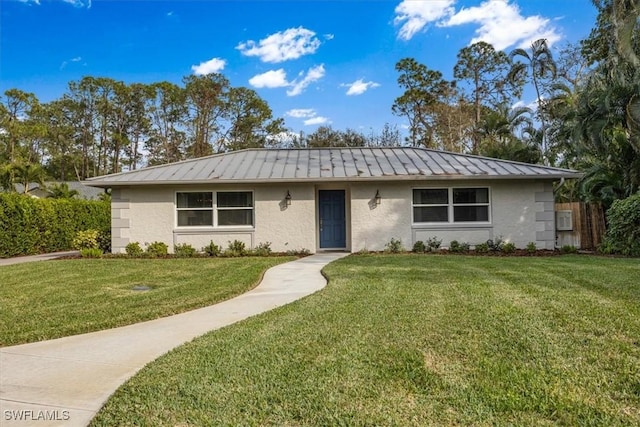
377,197
287,199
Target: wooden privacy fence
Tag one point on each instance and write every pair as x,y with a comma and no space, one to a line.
587,226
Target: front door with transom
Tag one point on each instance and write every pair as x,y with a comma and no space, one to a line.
333,226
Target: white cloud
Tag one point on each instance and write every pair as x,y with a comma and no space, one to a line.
300,113
79,3
500,22
415,15
318,120
282,46
36,2
359,87
284,139
309,114
329,36
270,79
278,78
213,65
65,63
299,85
502,25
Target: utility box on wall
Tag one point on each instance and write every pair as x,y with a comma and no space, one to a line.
564,220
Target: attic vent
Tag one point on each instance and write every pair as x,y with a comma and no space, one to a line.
564,220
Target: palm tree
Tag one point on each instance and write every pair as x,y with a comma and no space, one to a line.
26,173
62,191
539,66
501,134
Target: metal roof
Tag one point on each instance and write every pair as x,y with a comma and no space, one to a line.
330,164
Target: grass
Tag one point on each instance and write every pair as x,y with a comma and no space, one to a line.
52,299
415,340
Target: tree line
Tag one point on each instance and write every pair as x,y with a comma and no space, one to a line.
101,126
586,115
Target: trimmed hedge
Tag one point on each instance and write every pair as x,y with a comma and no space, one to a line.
32,226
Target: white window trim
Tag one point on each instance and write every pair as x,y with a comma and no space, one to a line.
214,207
450,207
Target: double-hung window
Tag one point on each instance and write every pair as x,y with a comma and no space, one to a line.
235,208
214,209
451,205
195,209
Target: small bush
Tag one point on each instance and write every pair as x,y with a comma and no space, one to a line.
156,249
133,249
495,245
104,240
87,239
184,250
433,243
482,248
298,252
457,247
235,248
569,249
212,249
90,253
531,248
394,246
263,249
419,247
508,248
623,233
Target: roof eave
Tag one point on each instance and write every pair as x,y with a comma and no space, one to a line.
557,176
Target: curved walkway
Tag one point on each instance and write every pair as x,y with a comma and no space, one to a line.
67,380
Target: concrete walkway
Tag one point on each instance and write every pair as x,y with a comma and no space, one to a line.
69,379
33,258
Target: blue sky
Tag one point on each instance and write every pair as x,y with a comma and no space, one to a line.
314,62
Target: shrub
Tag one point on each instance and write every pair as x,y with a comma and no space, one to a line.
531,248
90,253
419,247
394,246
457,247
212,249
87,239
156,249
495,245
433,243
263,249
236,248
133,249
508,248
184,250
299,252
104,240
482,248
623,233
569,249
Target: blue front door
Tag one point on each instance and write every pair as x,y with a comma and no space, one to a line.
332,219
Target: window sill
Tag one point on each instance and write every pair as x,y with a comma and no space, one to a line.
212,230
449,225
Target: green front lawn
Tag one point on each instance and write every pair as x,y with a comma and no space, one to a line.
52,299
415,340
